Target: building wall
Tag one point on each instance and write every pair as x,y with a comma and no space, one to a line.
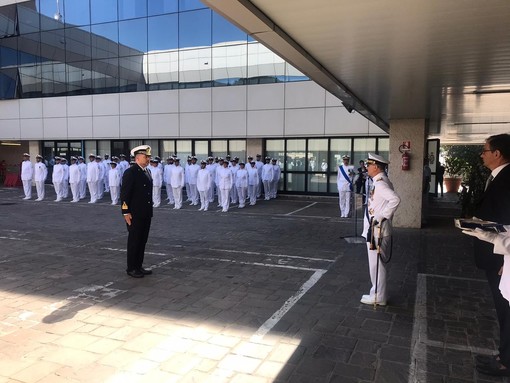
267,110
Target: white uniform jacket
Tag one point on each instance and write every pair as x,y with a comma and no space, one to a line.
27,171
40,172
177,177
225,178
203,180
74,174
242,178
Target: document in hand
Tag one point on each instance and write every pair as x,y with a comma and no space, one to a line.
471,224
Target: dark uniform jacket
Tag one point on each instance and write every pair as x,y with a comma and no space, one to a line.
136,192
493,206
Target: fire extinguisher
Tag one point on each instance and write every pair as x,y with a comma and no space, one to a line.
405,148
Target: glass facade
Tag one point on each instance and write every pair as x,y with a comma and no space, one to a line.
74,47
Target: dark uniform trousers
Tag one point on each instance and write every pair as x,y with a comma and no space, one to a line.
138,233
136,199
495,206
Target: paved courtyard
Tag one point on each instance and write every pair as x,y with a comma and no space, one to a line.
268,293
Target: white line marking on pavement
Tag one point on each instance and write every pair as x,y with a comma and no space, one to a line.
289,303
256,263
303,208
271,255
14,239
453,277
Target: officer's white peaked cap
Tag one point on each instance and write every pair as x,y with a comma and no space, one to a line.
377,158
142,149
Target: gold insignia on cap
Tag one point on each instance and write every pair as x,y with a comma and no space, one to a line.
124,206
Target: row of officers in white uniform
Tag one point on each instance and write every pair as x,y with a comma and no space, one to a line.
233,182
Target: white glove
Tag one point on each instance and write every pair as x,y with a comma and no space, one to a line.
482,235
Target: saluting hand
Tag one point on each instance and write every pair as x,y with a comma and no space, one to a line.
128,218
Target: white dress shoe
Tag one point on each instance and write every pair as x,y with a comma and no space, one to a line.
369,300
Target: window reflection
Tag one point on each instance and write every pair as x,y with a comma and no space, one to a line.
130,9
296,155
225,32
194,67
7,25
317,183
79,78
339,148
237,148
229,65
195,29
77,12
317,155
295,182
105,76
28,20
77,44
159,7
102,11
51,14
132,37
264,66
186,5
163,32
168,148
183,150
361,148
219,148
201,150
105,40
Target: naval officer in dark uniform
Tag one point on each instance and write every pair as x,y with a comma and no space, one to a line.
136,203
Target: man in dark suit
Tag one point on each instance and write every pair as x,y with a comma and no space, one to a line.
495,206
136,203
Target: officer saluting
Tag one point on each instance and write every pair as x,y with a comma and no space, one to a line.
136,203
382,202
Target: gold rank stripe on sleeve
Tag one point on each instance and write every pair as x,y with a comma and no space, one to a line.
124,206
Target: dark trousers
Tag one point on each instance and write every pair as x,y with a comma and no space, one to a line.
137,238
503,313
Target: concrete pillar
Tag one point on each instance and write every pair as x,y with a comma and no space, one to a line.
254,147
408,184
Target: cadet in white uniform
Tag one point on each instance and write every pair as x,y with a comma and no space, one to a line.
382,202
167,171
344,182
259,164
234,167
65,182
157,182
106,165
267,178
191,173
225,183
83,177
253,183
177,181
114,182
27,173
92,178
57,178
217,181
74,179
40,174
100,179
203,186
211,168
242,184
276,178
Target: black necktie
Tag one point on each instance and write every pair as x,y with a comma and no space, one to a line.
489,180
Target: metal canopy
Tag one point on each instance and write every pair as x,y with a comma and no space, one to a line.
444,61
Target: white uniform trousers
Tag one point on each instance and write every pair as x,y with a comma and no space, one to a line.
241,193
93,191
194,194
381,280
39,186
259,188
64,188
188,192
224,199
75,191
218,191
267,190
27,188
170,194
83,189
107,183
252,193
114,194
100,189
156,196
177,197
58,193
274,188
233,195
344,201
210,192
204,200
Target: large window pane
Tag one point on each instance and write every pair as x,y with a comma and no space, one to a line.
383,147
77,44
105,40
295,182
90,148
237,148
195,29
131,70
168,148
77,12
224,31
159,7
53,45
229,65
51,14
317,183
154,147
292,74
296,155
103,147
264,66
53,77
195,68
201,150
276,149
131,9
7,25
163,32
339,148
103,11
361,148
8,83
317,155
8,56
132,37
163,68
183,150
186,5
105,76
219,148
28,20
79,77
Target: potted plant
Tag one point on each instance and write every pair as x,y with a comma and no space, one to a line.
464,168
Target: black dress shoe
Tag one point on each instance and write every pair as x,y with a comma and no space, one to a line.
485,359
494,368
145,271
135,273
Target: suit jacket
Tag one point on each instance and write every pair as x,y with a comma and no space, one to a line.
493,206
136,193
